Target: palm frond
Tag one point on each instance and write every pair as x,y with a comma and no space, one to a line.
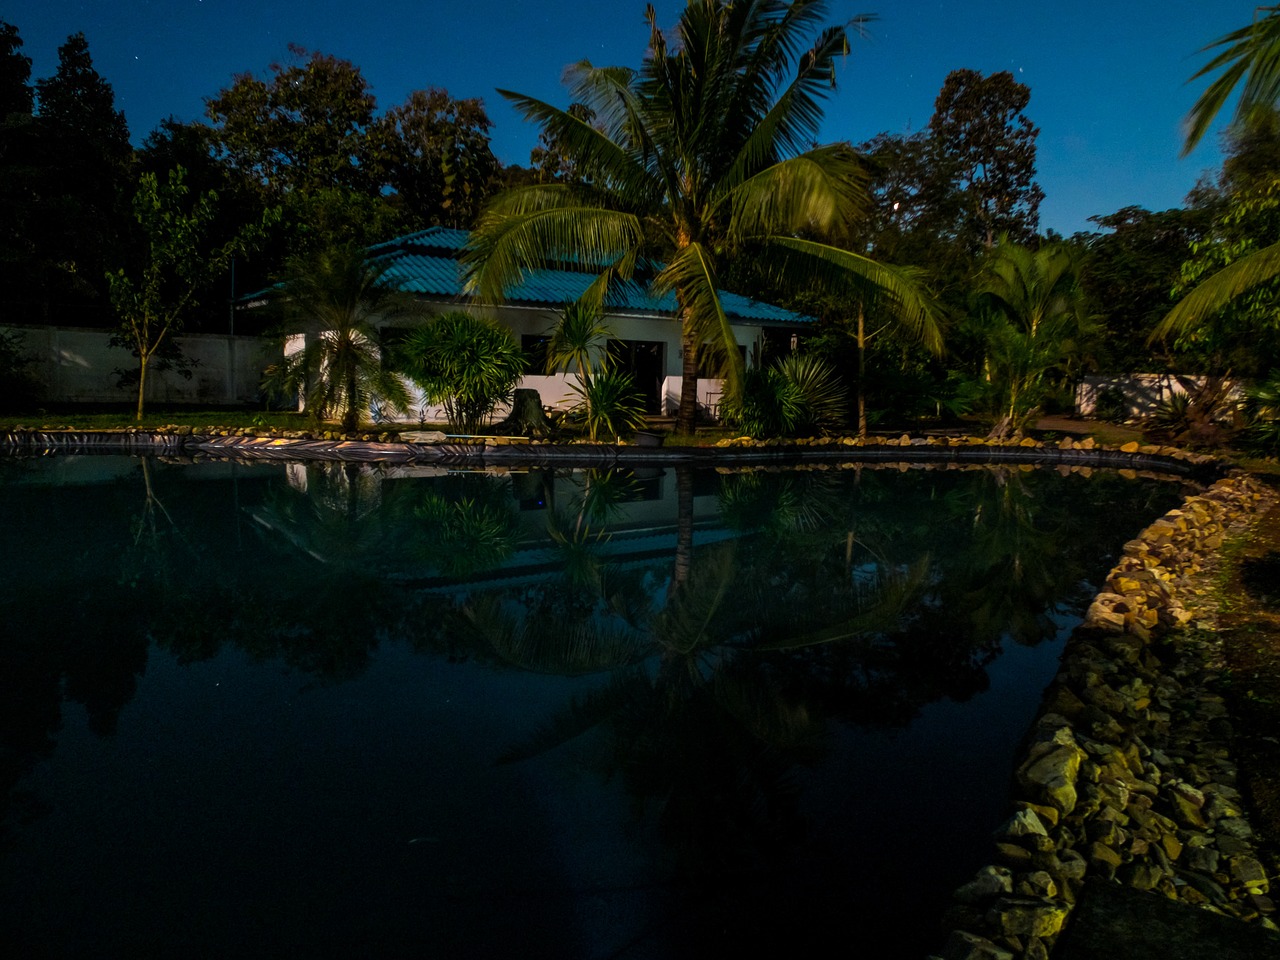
1217,291
692,274
896,289
791,121
1252,54
582,715
822,189
526,235
601,158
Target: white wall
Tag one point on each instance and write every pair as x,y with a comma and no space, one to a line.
1143,392
76,365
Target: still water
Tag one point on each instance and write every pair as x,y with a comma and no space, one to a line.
316,710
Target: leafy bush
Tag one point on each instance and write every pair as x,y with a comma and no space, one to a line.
1261,435
1111,406
18,388
468,364
610,404
800,395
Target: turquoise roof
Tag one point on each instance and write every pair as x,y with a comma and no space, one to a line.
426,263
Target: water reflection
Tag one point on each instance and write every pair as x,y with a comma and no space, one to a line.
727,639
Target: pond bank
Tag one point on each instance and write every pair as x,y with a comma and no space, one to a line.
1128,776
480,451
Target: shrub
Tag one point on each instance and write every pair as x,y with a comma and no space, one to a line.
468,364
800,395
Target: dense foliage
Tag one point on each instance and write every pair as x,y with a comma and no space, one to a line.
697,170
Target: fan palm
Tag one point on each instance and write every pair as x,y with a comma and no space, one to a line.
703,153
336,295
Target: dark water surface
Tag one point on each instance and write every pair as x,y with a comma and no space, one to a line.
272,711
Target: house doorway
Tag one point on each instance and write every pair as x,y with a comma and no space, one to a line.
645,361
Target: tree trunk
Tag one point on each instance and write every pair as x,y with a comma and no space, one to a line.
687,415
143,357
862,371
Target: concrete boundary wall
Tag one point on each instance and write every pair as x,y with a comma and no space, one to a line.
1143,393
77,365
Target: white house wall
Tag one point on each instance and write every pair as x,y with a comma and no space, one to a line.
556,389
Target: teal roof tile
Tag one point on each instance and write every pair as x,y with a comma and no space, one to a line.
426,263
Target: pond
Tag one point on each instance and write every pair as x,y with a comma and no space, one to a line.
287,709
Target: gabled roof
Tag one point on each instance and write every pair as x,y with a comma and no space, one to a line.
426,264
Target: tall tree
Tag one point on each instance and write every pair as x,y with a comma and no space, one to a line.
86,155
18,175
1133,269
702,154
15,74
434,152
304,137
984,140
305,129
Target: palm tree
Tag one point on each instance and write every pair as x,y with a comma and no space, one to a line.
1031,314
336,295
703,153
1251,56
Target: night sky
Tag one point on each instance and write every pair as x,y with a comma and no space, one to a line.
1108,79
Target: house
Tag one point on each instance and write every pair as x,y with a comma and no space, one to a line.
647,343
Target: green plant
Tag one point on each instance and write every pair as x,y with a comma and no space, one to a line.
579,341
799,395
1028,313
1261,435
702,154
335,296
610,404
1111,405
468,364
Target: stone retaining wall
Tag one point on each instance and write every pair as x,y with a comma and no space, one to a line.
1127,776
265,443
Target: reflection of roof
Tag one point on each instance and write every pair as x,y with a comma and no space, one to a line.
426,264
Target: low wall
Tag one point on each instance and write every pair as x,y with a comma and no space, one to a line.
1127,777
77,365
1143,393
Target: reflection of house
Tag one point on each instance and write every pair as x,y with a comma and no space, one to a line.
638,528
648,339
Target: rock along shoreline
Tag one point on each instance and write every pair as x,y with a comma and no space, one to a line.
1127,776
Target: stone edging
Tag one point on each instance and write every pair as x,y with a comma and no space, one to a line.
1127,775
384,448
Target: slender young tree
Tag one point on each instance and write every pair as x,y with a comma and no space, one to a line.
704,153
153,299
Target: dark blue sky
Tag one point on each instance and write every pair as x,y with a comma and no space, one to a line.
1108,79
